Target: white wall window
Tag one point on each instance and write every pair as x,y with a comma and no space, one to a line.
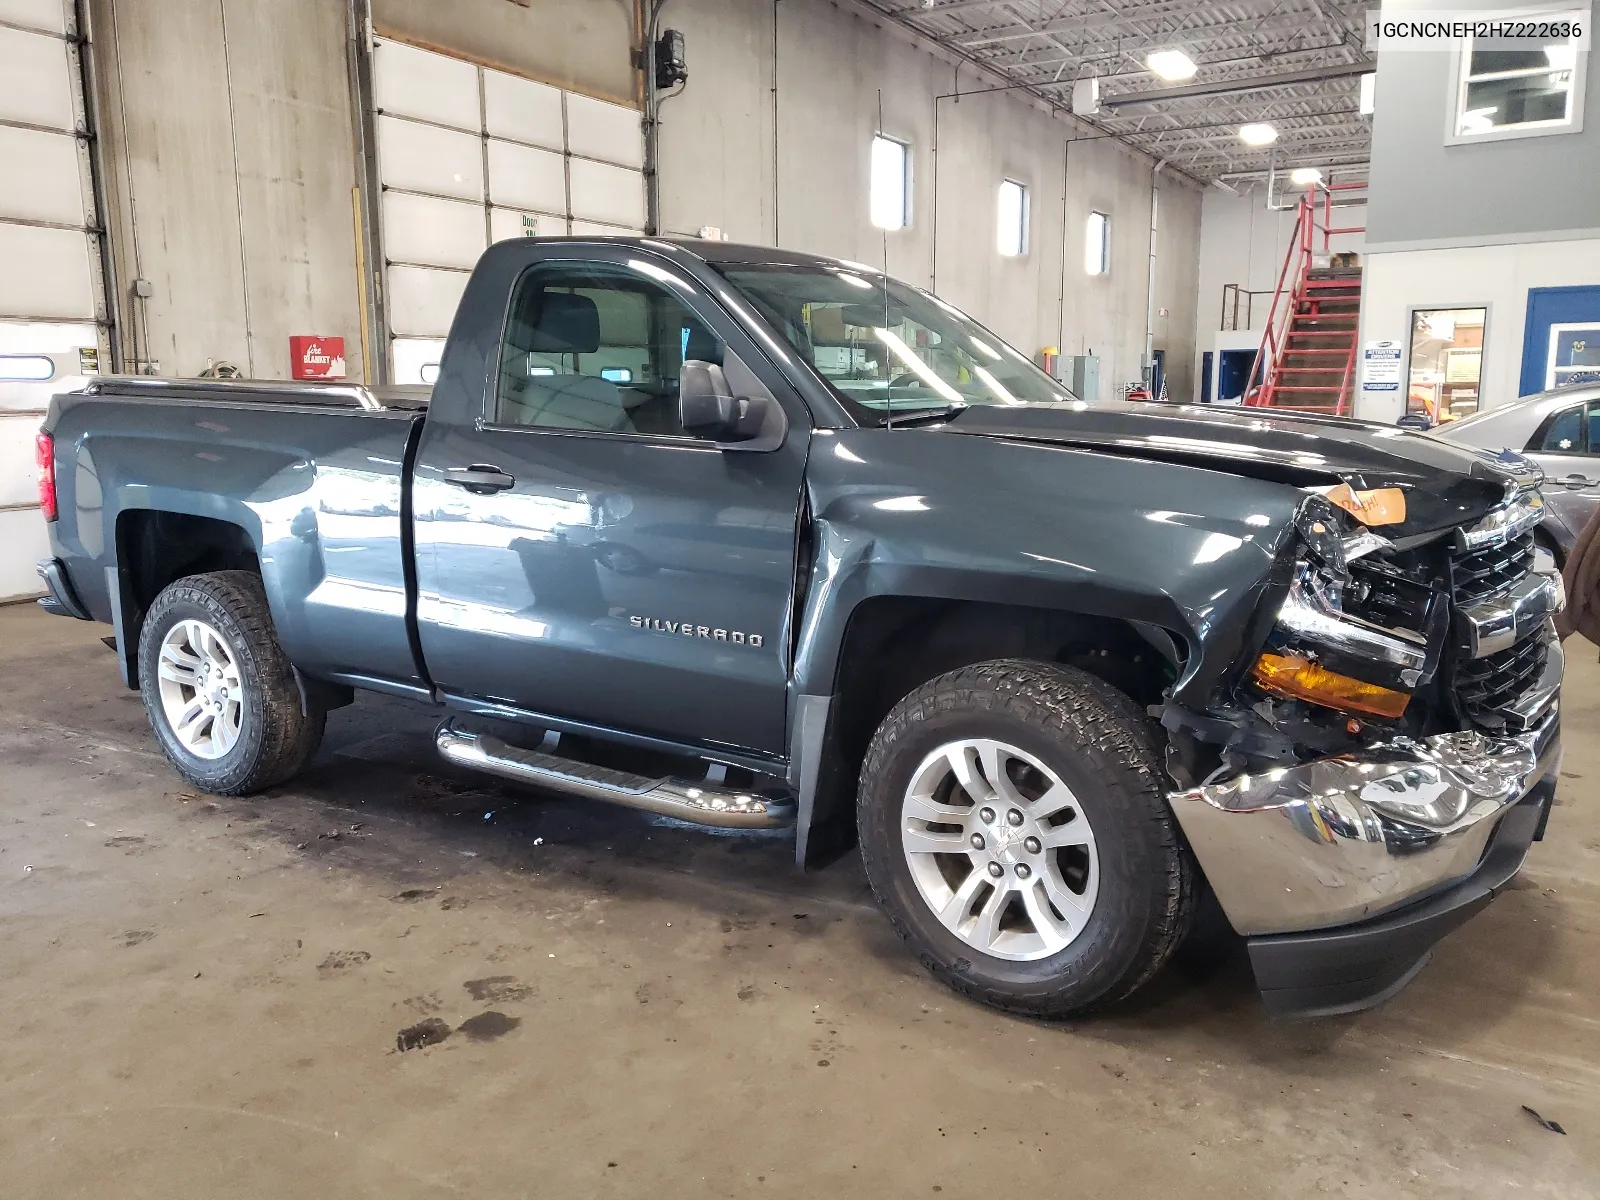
1516,93
1097,244
891,183
1012,231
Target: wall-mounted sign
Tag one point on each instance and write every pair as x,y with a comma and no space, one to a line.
314,357
1380,366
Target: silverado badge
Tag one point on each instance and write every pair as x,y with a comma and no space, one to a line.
689,629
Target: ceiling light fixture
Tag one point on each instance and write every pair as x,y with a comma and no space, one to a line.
1171,65
1257,134
1305,176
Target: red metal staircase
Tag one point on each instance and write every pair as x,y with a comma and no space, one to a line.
1307,359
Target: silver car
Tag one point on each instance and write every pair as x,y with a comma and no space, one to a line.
1560,431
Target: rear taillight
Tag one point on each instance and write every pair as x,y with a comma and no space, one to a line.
45,449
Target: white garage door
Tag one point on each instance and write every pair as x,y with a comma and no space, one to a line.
467,156
51,287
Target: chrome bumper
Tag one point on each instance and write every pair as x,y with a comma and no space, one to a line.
1341,839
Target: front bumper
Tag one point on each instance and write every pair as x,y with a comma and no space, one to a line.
1352,967
1326,866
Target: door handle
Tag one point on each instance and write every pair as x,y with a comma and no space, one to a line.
1576,481
481,479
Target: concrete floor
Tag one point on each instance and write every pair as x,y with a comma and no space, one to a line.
202,998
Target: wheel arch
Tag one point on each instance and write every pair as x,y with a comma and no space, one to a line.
892,643
157,547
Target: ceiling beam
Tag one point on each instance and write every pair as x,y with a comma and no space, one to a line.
1120,19
1258,83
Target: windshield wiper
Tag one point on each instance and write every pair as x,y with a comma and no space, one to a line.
940,413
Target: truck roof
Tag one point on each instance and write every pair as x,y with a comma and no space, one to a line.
719,253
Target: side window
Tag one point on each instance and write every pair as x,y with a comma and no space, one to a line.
1592,427
1562,434
596,346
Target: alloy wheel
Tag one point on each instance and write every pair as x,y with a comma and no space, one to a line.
999,849
202,694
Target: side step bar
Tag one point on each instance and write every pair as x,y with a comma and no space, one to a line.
699,803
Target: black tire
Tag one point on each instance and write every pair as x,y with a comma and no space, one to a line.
1103,747
276,738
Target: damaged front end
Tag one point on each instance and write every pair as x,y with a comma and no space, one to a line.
1350,787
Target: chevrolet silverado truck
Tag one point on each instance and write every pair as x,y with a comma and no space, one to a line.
753,538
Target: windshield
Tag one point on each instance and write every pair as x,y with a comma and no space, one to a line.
888,347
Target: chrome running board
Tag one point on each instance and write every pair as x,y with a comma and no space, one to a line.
704,803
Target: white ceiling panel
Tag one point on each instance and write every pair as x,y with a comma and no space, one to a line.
421,158
515,223
612,195
35,80
422,302
611,132
39,176
45,273
22,533
523,110
430,232
520,177
49,15
428,86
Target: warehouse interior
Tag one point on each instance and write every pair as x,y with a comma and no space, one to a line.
392,975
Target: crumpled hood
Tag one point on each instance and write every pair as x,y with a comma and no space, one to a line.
1445,484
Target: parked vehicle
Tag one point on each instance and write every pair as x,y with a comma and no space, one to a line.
755,538
1560,431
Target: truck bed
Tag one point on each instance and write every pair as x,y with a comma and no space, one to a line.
309,479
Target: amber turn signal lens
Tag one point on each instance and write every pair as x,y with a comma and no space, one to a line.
1377,506
1301,679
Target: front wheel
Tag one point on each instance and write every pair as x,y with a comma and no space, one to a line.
218,689
1013,826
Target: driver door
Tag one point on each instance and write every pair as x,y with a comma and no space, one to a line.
579,554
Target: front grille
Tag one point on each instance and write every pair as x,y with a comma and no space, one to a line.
1486,685
1483,573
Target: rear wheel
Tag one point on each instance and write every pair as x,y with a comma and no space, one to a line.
1014,828
218,689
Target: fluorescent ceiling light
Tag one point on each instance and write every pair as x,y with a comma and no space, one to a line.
1305,176
1171,65
1258,134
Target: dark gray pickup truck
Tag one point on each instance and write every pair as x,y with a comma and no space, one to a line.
752,538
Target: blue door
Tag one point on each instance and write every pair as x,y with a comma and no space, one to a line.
1561,340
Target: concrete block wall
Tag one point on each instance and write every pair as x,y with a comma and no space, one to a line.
231,158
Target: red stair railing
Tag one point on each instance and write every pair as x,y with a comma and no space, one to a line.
1311,226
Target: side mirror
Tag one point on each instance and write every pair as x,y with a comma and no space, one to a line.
707,407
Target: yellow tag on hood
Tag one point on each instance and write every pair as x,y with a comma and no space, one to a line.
1376,506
